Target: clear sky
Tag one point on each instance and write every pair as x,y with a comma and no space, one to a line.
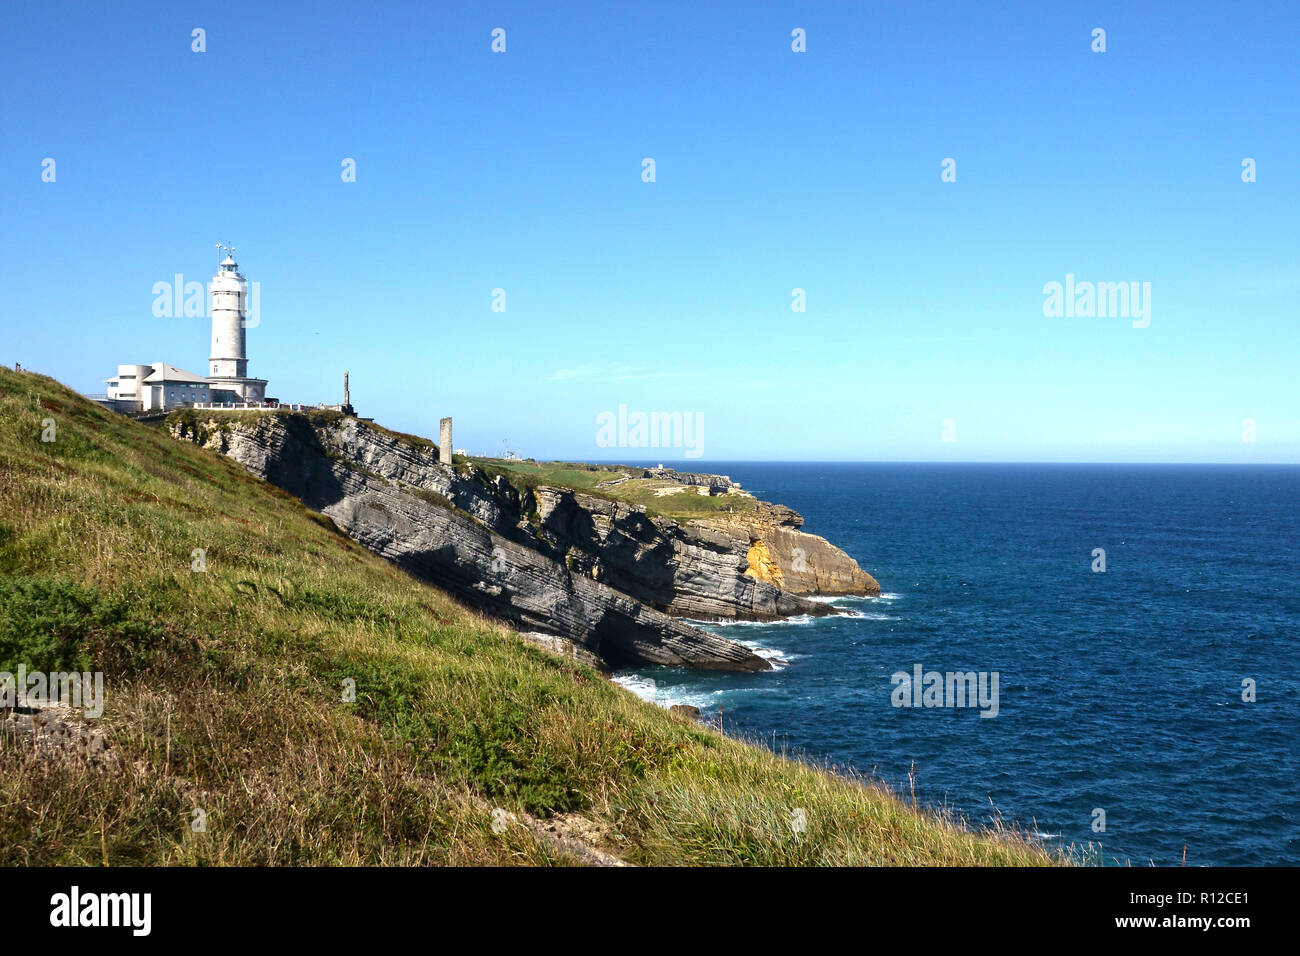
774,170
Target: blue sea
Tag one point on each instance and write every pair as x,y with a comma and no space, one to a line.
1119,691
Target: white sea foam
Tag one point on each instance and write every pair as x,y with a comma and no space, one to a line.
642,687
704,700
779,659
868,615
853,598
798,619
666,697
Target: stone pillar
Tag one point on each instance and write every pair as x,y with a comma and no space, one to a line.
347,399
444,441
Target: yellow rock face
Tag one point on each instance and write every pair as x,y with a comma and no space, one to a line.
763,564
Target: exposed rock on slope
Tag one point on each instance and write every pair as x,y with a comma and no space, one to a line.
413,524
600,573
688,570
748,565
800,562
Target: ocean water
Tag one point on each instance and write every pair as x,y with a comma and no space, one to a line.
1119,691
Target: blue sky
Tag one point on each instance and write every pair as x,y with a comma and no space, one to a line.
775,170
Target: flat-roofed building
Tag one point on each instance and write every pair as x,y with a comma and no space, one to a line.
158,387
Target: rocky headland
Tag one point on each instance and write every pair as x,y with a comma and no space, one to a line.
605,564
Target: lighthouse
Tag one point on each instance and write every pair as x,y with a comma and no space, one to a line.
228,364
229,308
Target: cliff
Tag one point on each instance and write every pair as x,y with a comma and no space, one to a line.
604,575
407,514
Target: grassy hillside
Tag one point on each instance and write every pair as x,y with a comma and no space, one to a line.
224,692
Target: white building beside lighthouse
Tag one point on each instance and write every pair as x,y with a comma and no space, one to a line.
159,386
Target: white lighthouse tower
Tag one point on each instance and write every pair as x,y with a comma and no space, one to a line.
228,365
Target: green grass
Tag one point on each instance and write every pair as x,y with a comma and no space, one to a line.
683,505
224,691
526,475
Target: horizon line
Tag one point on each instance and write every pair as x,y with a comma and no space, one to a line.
673,463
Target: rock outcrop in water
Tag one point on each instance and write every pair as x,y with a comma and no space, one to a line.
598,574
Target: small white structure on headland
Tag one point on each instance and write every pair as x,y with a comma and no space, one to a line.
159,387
156,387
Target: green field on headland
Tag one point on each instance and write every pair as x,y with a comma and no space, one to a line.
659,496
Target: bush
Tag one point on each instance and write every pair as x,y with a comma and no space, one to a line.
55,624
